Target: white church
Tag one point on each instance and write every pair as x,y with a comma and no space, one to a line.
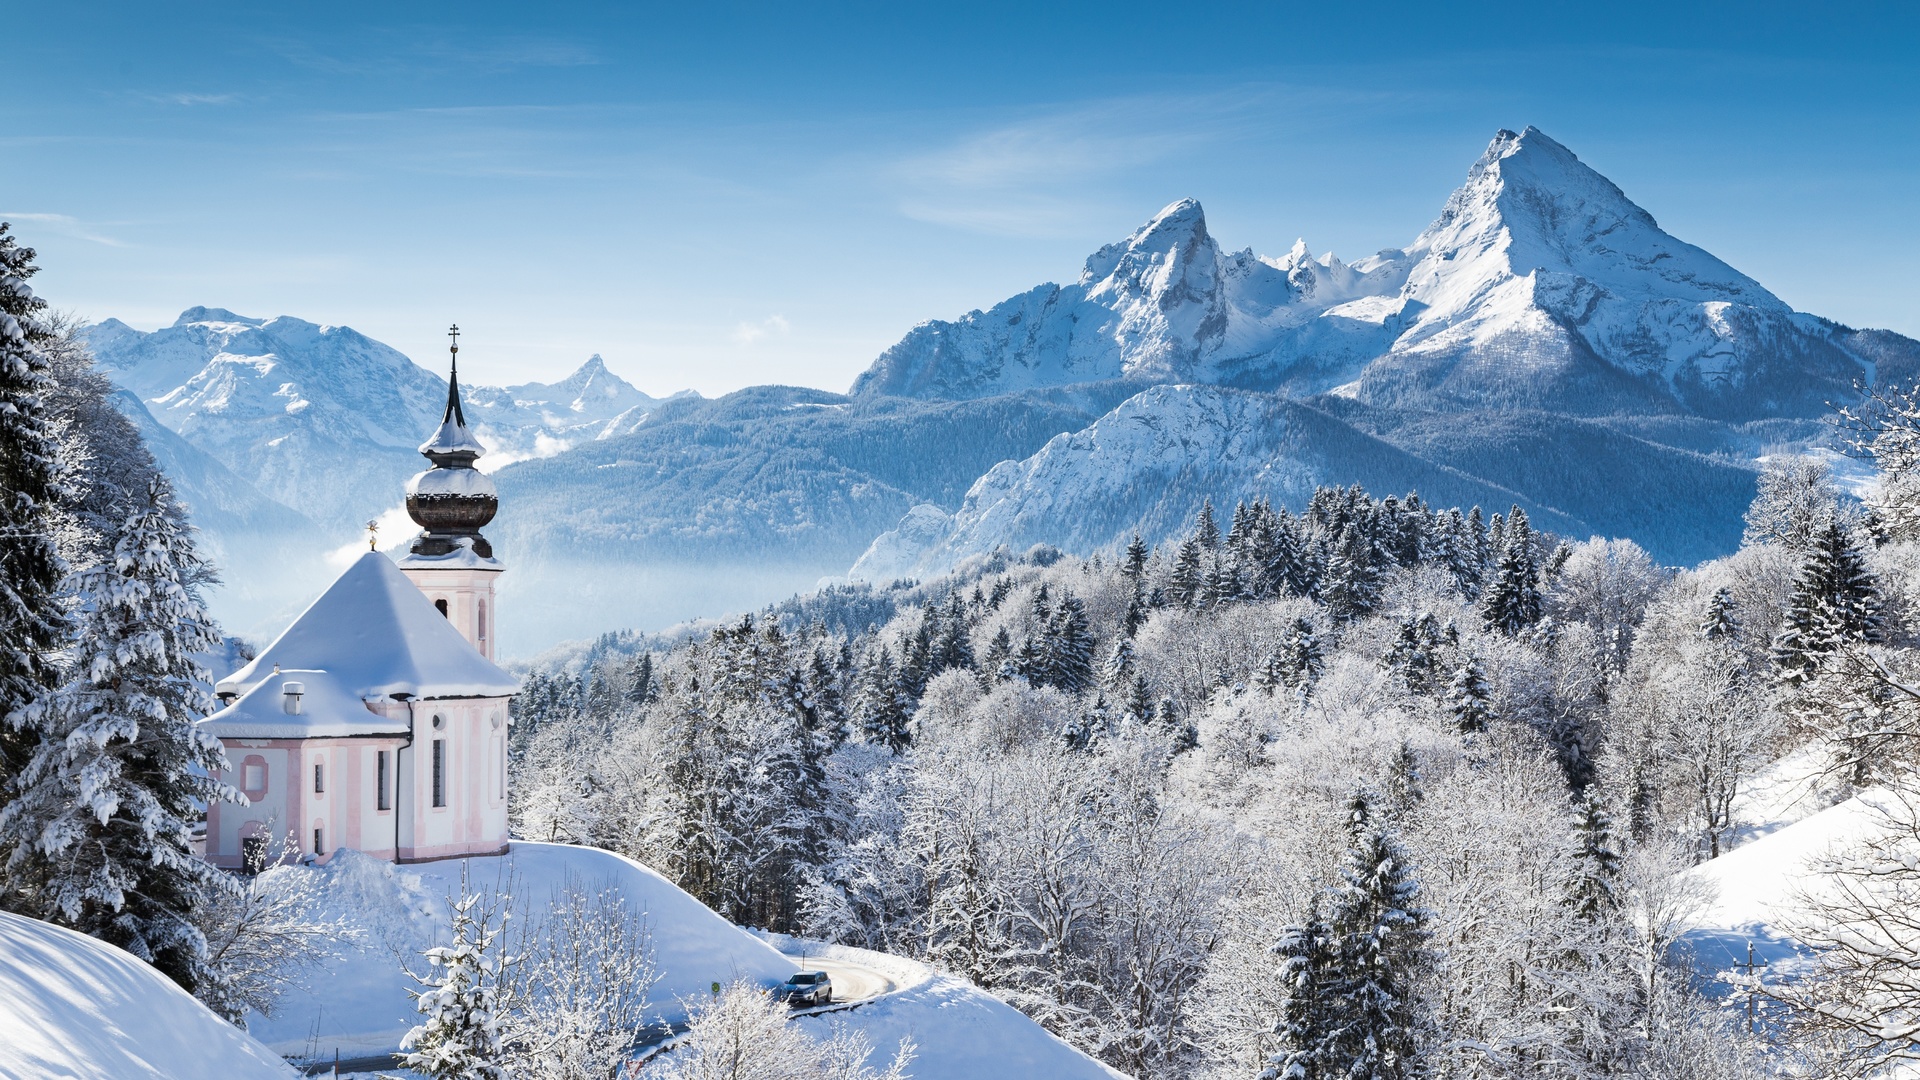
378,720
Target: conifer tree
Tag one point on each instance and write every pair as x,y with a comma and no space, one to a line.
1139,703
100,836
1351,1012
1285,570
1380,934
1308,956
1596,862
1204,530
1512,601
1836,602
33,624
1721,623
999,659
1404,792
463,1004
953,649
1070,647
1351,585
1116,674
1302,662
1189,575
1469,699
1135,567
882,710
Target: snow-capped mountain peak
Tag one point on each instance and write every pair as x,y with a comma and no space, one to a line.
212,315
326,419
1540,284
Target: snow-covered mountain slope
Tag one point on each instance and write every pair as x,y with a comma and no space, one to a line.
1146,464
1540,285
359,1003
75,1008
1163,305
326,420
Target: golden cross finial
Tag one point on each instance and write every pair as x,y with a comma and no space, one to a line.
373,536
454,333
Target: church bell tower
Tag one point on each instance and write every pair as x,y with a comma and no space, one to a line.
450,561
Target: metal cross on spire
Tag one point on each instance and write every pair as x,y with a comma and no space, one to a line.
454,412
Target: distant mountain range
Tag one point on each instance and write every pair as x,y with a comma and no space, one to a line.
1543,342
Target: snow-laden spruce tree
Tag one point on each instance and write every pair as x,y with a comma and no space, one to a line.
1469,699
466,997
1359,1018
99,836
33,622
1307,959
1512,601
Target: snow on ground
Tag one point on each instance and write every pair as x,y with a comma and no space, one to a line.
72,1006
1756,888
359,1005
1790,790
960,1031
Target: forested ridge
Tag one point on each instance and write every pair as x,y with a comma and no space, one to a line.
1376,789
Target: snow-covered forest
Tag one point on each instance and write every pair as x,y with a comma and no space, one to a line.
1375,789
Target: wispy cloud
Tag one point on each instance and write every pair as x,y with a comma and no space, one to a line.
63,225
1039,174
191,99
436,55
747,333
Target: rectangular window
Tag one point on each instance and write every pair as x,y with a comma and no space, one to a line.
439,772
499,767
253,777
381,799
319,779
318,849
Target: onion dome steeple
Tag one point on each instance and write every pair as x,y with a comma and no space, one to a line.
452,500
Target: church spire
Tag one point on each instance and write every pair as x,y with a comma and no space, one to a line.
452,445
452,500
454,412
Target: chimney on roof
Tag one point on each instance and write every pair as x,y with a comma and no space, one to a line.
290,694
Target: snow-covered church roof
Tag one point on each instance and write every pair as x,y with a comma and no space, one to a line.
326,709
376,634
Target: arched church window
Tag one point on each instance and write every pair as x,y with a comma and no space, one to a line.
482,620
442,605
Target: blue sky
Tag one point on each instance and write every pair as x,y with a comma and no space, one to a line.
713,195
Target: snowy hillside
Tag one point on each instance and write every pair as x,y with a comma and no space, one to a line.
1540,285
75,1007
359,1004
959,1031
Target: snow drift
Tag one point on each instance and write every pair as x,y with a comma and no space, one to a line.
72,1006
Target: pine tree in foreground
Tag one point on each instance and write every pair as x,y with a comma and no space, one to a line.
461,1037
1307,959
99,837
33,624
